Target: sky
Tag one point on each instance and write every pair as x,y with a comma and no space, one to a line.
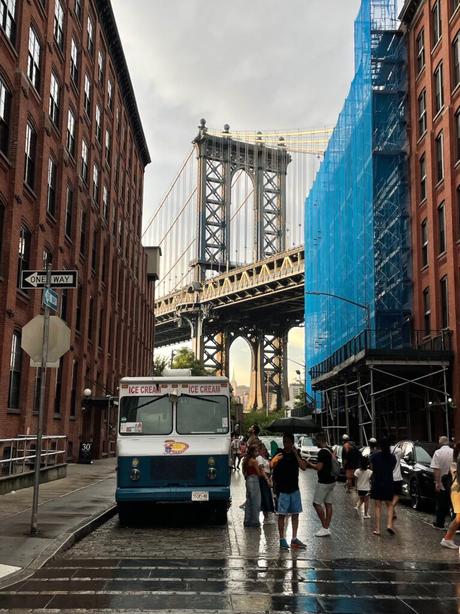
254,64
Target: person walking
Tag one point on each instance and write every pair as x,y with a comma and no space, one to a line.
266,493
286,465
325,487
351,458
448,540
252,472
382,489
363,484
234,450
441,465
397,480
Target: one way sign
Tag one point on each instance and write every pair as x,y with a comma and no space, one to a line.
59,279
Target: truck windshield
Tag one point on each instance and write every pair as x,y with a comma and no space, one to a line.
202,415
146,415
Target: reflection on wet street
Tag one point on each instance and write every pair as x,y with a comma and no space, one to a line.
178,562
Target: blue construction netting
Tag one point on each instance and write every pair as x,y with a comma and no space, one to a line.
356,227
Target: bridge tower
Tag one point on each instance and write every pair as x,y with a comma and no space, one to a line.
219,158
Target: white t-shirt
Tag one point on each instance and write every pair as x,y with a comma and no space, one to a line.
397,476
363,479
442,460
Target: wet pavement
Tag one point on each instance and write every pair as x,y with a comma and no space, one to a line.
182,564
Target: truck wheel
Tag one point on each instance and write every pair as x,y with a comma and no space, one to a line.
220,514
124,515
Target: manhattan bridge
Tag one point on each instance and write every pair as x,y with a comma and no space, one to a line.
230,228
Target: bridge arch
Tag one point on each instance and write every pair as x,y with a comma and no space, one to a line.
241,217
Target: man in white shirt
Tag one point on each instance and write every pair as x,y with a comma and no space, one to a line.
440,464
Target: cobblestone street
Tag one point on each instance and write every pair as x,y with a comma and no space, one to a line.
177,565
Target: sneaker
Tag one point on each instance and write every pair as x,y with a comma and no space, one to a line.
367,516
323,533
357,508
296,543
283,544
437,526
449,543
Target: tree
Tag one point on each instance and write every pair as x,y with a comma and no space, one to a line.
185,359
159,365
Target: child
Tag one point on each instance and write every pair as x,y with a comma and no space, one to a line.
363,484
265,486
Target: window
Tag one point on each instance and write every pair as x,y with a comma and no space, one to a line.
83,230
14,389
105,202
108,144
437,23
70,143
78,9
100,67
54,100
426,312
47,257
110,94
98,125
90,318
424,241
33,59
87,96
7,22
69,212
74,388
101,328
94,250
96,184
23,252
58,391
422,170
194,416
30,153
64,304
457,135
74,62
59,24
51,187
420,45
90,33
84,161
155,413
438,89
444,291
456,61
441,228
439,157
5,117
78,310
422,113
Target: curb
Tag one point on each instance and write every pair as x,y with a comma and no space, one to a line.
59,545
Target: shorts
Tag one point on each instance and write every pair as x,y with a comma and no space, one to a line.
289,503
323,493
455,498
364,493
397,488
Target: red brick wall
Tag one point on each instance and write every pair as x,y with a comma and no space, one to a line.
448,262
122,297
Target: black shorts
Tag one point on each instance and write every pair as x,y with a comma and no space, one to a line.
397,488
363,493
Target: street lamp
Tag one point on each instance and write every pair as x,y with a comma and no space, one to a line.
345,300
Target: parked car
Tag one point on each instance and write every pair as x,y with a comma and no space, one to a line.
417,474
308,449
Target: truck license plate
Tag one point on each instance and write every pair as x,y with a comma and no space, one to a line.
199,495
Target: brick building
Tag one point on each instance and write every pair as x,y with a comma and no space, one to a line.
433,39
72,159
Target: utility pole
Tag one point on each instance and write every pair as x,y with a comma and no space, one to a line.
38,446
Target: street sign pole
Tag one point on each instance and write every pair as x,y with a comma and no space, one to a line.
38,448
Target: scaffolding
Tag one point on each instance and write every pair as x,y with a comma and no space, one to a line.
357,246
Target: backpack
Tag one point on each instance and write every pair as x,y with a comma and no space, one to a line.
335,466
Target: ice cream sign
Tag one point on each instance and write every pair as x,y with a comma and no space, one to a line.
204,389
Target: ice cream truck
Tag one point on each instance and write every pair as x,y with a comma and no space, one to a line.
173,443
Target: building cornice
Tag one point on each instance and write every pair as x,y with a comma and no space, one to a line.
409,10
112,36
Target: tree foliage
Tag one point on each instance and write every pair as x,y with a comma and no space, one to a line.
159,365
185,359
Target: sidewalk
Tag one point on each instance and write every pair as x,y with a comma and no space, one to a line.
68,509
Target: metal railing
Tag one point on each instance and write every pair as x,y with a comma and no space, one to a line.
17,455
386,339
